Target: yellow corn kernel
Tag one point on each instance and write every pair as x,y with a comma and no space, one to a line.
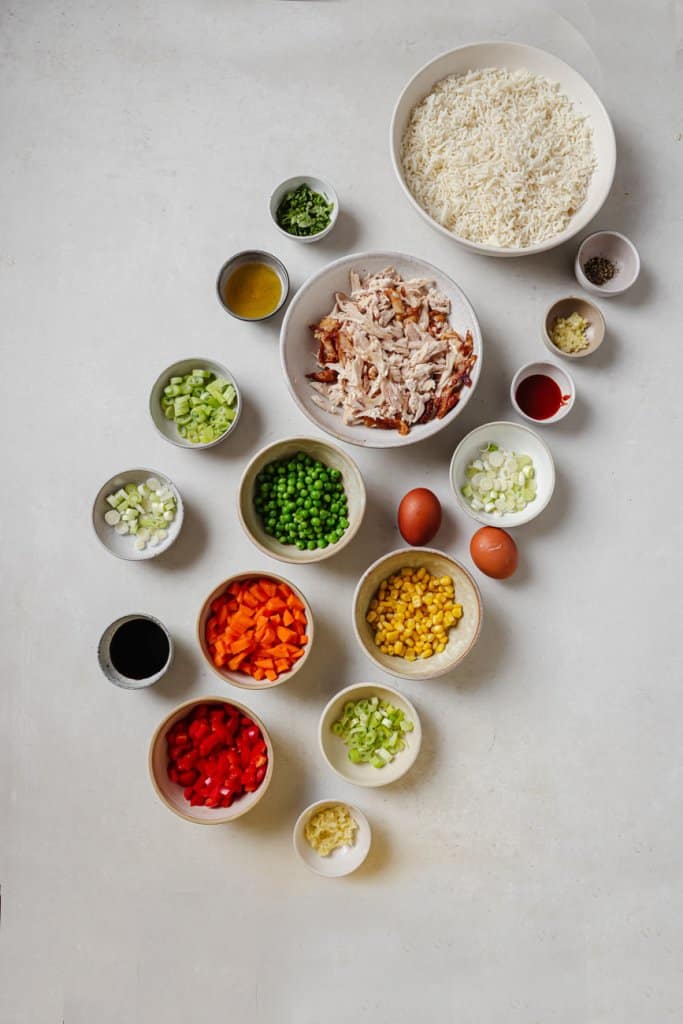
437,616
399,648
457,611
392,635
371,617
428,598
421,573
408,641
438,628
439,648
406,571
427,652
410,656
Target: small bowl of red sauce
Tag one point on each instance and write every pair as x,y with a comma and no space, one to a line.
542,392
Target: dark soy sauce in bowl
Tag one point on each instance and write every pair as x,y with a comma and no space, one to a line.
139,649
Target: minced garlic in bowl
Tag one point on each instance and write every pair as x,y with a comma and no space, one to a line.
330,828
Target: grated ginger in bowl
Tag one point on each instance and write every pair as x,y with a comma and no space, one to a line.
569,333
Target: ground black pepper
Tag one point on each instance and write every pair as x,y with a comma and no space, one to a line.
599,270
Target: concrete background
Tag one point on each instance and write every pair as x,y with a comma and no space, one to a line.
528,870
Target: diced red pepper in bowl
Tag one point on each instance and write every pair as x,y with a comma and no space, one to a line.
216,754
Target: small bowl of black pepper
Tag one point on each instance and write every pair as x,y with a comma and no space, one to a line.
607,263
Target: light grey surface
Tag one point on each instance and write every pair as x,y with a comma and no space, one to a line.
528,869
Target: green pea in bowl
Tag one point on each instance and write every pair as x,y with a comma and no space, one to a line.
296,510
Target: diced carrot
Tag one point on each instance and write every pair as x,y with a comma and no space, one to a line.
249,600
287,618
282,665
271,675
269,587
275,604
235,663
264,662
244,643
235,588
286,635
303,640
258,674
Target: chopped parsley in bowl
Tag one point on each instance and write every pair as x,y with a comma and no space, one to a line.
304,208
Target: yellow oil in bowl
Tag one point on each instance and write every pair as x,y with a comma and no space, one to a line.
252,291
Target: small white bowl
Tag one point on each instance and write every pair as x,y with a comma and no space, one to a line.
513,437
344,859
122,545
620,251
171,793
461,639
167,428
316,185
335,751
563,308
112,673
561,378
241,679
328,454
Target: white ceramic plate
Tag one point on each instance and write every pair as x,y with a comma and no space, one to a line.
344,859
461,639
171,794
539,62
514,437
123,546
331,456
335,751
316,297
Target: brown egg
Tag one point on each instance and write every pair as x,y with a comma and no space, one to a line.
419,516
494,552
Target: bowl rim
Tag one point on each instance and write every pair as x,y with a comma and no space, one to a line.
391,255
178,441
157,551
596,289
230,677
193,702
302,179
484,248
485,517
320,554
599,316
369,784
284,276
428,674
561,412
309,811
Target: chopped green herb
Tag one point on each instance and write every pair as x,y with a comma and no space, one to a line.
304,212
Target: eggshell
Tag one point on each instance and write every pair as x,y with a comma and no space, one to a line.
419,516
494,552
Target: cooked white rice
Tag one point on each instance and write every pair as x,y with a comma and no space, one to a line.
498,157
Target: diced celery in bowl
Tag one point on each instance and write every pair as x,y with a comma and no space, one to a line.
195,403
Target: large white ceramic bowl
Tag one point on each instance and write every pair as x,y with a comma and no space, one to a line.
513,437
336,753
539,62
316,298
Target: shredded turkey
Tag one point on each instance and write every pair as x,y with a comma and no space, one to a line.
389,357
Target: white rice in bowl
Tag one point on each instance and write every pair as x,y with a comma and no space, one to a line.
498,157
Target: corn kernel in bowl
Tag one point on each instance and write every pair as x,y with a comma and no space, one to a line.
412,612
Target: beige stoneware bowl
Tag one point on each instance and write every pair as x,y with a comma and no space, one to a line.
336,753
171,794
331,456
595,333
241,679
461,639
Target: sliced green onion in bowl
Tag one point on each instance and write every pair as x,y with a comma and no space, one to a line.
202,405
373,730
500,481
143,510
